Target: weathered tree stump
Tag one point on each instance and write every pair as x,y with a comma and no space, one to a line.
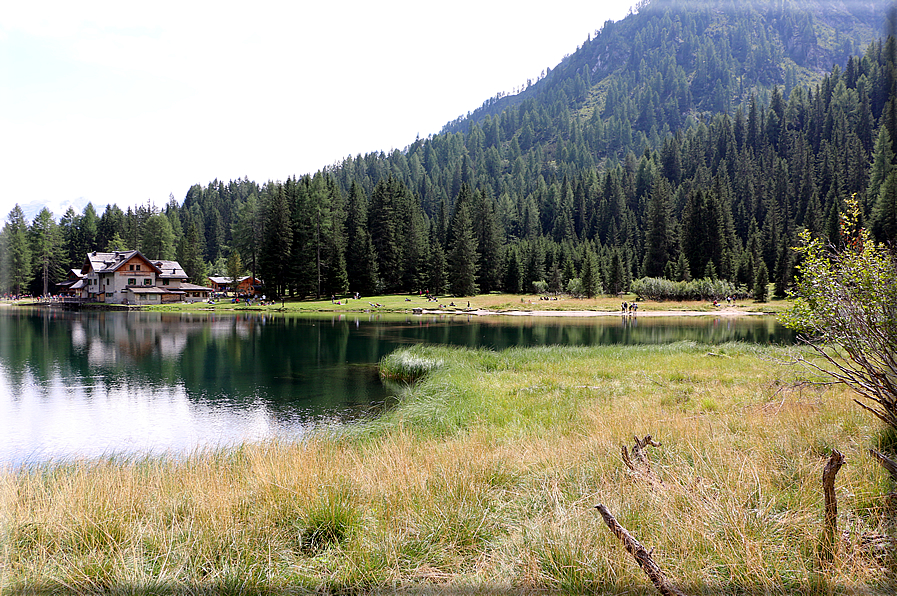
830,530
641,458
639,553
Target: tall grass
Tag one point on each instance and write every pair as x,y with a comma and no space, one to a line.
483,479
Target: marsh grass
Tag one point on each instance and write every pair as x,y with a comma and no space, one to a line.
483,480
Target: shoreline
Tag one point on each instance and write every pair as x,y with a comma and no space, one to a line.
724,312
483,311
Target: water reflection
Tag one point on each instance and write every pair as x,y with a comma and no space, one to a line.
88,384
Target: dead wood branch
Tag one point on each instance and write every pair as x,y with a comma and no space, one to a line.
886,462
639,553
641,464
639,450
830,531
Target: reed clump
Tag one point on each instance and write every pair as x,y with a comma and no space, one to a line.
483,479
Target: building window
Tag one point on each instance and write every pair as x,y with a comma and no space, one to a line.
138,267
147,281
109,294
132,267
165,282
131,281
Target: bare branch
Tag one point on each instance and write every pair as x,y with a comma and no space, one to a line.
887,463
639,553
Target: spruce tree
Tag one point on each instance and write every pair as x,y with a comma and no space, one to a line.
657,234
190,256
513,277
158,238
882,165
16,264
234,269
46,249
462,261
277,241
761,283
884,215
438,275
591,275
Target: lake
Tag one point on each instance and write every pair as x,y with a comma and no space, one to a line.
91,384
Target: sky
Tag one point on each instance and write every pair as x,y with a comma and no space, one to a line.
126,102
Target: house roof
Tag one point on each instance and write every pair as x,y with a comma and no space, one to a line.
170,269
106,262
226,280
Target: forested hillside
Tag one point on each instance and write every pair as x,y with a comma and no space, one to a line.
689,140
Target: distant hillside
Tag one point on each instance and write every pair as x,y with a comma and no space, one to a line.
677,57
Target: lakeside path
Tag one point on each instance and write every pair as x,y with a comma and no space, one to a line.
483,305
722,312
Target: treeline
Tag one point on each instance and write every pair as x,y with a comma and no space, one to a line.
548,193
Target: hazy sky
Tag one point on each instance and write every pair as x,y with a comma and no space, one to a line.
123,102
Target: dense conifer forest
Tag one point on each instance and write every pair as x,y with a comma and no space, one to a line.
688,141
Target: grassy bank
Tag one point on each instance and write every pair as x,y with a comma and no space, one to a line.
483,480
485,302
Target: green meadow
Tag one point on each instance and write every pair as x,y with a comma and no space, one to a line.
495,303
482,478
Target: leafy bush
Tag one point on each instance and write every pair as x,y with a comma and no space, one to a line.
846,301
656,288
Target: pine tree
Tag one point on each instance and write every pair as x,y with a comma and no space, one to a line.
882,164
682,269
386,230
277,240
247,229
46,250
761,283
438,275
657,235
462,261
158,238
234,269
16,252
87,231
884,215
591,274
191,255
513,277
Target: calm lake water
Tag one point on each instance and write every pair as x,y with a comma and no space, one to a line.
91,384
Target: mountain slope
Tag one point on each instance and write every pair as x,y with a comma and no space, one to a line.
678,57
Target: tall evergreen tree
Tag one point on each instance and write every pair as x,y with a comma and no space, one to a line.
884,215
248,227
591,274
16,265
462,259
277,240
658,232
191,255
158,238
46,250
